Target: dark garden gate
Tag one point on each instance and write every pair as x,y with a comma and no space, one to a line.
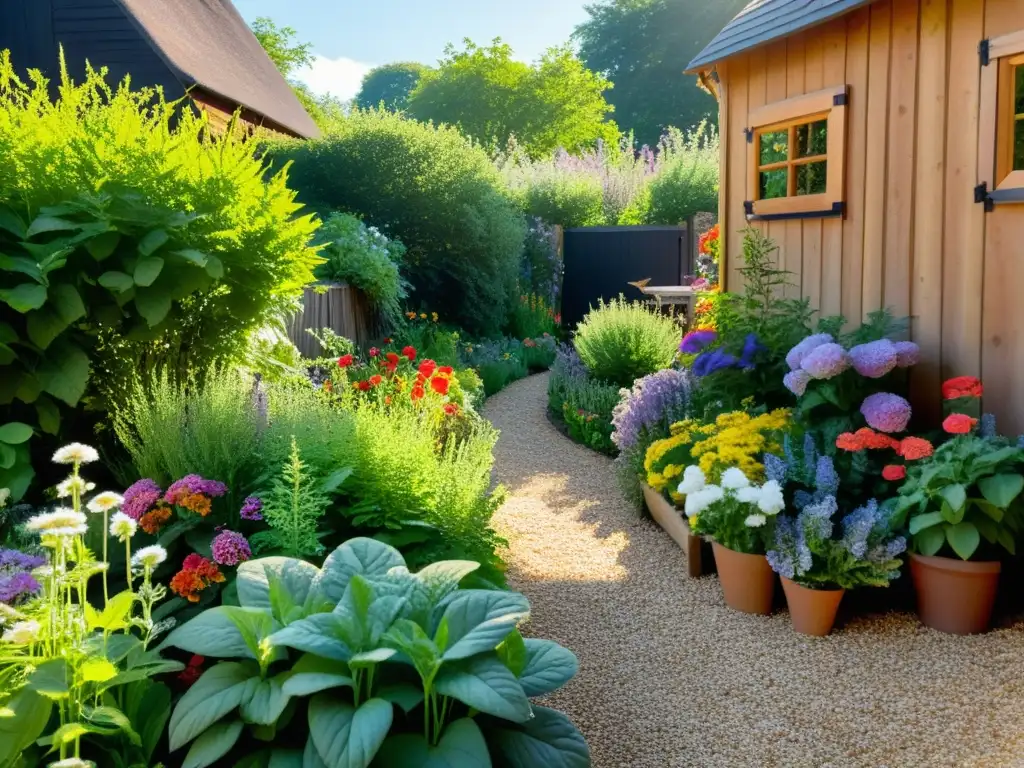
601,262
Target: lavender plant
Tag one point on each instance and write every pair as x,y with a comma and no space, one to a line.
653,404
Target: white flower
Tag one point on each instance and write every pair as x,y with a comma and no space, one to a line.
22,633
5,495
150,557
755,521
72,762
734,479
104,502
122,527
693,480
75,453
60,522
771,501
72,485
749,495
700,500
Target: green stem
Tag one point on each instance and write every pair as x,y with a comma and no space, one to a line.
106,595
128,560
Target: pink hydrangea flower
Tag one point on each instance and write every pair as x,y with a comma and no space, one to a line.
907,353
825,361
796,355
797,381
874,359
886,412
230,548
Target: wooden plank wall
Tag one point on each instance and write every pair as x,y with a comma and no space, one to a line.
913,238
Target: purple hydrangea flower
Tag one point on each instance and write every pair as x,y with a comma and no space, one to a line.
797,381
16,560
696,341
712,362
886,412
230,548
252,508
140,498
658,399
194,484
16,585
874,359
795,357
825,361
751,347
907,353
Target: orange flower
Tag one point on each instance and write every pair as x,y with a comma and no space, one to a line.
452,409
914,448
188,584
417,393
328,386
440,385
154,520
848,441
961,386
875,440
958,424
375,380
894,472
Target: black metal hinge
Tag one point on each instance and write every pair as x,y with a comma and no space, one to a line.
982,196
839,100
748,207
749,133
983,53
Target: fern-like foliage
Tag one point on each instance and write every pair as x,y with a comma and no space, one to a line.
292,509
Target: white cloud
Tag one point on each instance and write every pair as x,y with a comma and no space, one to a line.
341,77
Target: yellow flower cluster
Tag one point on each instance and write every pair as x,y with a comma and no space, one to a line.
739,440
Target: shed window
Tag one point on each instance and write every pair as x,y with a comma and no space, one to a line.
1001,136
796,156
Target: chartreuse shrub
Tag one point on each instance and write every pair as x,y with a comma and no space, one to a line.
622,341
362,662
432,189
131,238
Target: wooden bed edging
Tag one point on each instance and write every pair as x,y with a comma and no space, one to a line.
698,562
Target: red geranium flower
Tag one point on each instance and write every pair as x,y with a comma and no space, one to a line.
364,386
958,424
893,472
961,386
876,441
374,351
375,380
445,370
427,368
914,448
410,353
440,385
345,361
417,393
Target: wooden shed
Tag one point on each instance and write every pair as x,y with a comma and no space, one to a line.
881,145
202,47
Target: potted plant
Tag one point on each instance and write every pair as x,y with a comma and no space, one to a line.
963,505
738,517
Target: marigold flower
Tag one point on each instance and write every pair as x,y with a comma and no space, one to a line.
154,520
893,472
345,361
411,315
375,380
387,400
187,584
914,448
961,386
440,385
433,316
409,353
959,424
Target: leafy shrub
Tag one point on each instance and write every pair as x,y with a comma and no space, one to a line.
570,200
360,636
363,257
432,189
133,238
499,362
533,316
582,403
687,182
539,353
622,341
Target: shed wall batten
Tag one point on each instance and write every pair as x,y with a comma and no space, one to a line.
912,239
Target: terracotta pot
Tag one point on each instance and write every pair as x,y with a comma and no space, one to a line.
812,611
954,596
747,580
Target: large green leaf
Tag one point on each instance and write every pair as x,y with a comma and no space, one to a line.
44,326
64,373
286,758
277,585
147,270
111,720
25,297
461,746
219,691
153,303
152,242
927,520
362,556
15,433
442,578
549,666
955,495
310,757
118,282
1001,490
267,701
67,302
963,538
347,737
479,619
102,245
192,256
930,540
51,679
148,705
322,634
44,223
485,684
12,222
24,265
549,739
212,744
214,632
31,714
7,456
312,674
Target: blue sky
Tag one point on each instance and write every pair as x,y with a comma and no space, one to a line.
350,36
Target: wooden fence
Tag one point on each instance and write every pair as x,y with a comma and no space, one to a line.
342,308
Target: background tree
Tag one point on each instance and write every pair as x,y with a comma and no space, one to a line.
642,46
390,84
489,96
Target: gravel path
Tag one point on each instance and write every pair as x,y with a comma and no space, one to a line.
671,677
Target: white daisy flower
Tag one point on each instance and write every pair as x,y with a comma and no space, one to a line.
749,495
75,453
72,762
22,633
702,499
122,527
755,521
60,522
104,502
771,501
734,479
693,480
150,557
73,484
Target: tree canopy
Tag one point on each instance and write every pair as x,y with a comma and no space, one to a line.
287,54
489,96
642,46
390,85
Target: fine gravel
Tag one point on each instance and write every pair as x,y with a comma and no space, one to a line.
669,676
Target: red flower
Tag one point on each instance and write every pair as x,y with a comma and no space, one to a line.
893,472
848,441
374,351
417,393
440,385
876,441
388,340
427,368
452,409
387,400
345,361
958,424
364,386
445,370
375,380
914,448
392,358
410,353
193,562
961,386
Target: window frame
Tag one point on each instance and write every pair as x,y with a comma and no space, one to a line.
1002,184
827,104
